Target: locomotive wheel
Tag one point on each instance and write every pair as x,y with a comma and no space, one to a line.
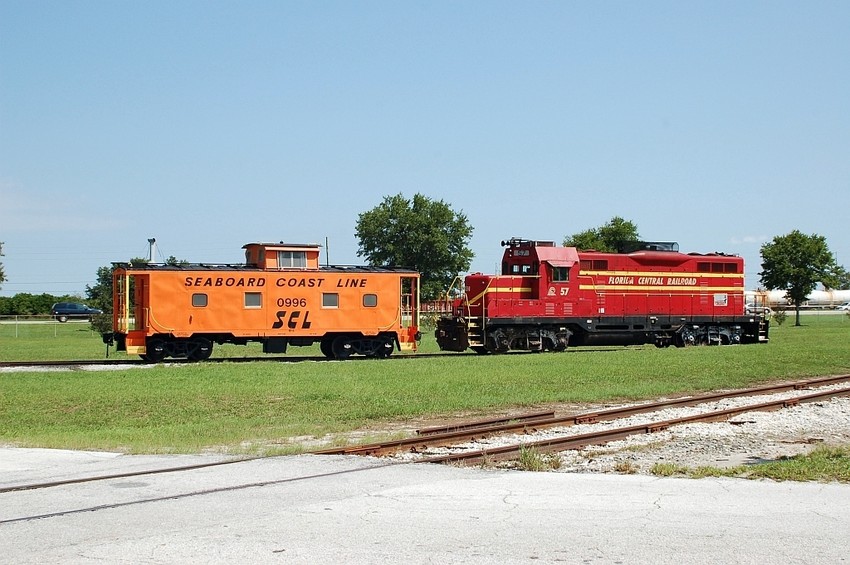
685,338
480,349
199,349
341,347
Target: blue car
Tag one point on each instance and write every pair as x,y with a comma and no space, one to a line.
64,311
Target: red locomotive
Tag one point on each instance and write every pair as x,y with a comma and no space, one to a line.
549,297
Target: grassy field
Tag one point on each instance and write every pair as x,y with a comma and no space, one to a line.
262,407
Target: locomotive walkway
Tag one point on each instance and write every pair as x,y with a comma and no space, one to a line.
343,509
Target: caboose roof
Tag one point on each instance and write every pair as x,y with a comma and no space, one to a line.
282,246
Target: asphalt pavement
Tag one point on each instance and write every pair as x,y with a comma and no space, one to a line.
346,509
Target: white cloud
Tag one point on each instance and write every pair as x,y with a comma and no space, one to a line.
749,240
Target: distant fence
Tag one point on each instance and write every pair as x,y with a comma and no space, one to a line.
43,325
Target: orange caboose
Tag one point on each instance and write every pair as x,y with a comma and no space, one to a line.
281,296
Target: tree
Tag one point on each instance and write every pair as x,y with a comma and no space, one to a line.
796,263
609,237
842,279
100,296
422,234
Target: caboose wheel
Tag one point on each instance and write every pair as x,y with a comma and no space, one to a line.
199,349
342,348
385,349
155,351
326,347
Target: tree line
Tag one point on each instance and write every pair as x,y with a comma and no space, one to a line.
429,236
25,304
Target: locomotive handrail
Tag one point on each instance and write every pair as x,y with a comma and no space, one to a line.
457,279
484,307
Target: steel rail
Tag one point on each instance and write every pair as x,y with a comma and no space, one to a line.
470,431
485,423
601,437
95,478
181,361
464,432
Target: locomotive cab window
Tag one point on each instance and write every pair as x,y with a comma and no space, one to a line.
200,300
253,300
560,274
330,300
370,300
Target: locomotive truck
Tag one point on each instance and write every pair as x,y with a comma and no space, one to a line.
549,297
280,297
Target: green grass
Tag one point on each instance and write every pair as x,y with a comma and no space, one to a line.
824,464
260,407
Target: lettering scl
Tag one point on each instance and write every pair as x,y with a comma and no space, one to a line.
292,320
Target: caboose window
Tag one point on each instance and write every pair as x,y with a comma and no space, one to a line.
292,259
703,267
199,300
731,268
253,300
330,300
370,300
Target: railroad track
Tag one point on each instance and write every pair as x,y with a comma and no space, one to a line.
70,364
454,434
427,440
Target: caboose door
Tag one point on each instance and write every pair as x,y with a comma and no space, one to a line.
409,313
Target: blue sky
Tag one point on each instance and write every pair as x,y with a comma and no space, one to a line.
207,125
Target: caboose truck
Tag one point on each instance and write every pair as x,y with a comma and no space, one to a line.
281,296
548,297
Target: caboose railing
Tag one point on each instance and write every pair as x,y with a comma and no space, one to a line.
409,308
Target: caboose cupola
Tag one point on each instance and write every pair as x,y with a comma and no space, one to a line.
282,255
